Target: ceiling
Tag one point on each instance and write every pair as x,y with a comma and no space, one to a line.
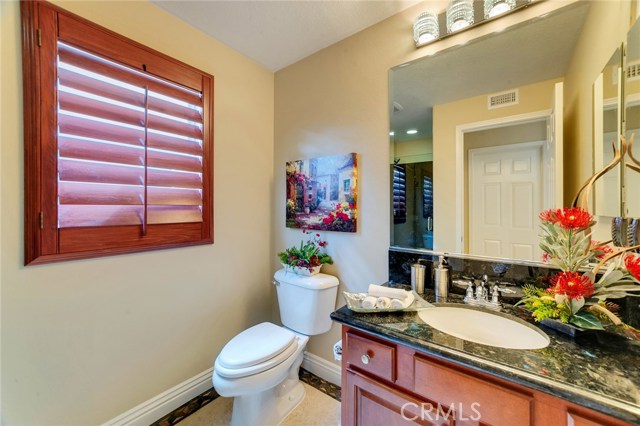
278,33
536,50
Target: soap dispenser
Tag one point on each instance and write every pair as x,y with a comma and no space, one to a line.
442,280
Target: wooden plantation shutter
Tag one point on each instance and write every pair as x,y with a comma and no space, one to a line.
399,193
131,144
427,197
129,149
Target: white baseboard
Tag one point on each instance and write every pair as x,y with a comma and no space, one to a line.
161,405
322,368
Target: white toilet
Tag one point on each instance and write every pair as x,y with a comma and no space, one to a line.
259,367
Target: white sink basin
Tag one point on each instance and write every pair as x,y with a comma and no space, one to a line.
483,327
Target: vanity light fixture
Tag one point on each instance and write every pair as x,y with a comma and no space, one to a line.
392,133
459,15
426,28
412,132
497,7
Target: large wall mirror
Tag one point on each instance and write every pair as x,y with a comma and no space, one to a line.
476,137
631,102
607,126
616,102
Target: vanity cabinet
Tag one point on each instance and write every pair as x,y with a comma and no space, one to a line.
386,383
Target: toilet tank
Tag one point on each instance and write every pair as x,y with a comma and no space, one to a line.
306,302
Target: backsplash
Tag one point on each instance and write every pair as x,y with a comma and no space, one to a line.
518,273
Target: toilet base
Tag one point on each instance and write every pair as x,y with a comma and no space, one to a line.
271,407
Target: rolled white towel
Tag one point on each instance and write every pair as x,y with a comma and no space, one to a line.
383,302
391,293
401,304
369,302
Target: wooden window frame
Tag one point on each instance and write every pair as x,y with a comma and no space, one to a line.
44,241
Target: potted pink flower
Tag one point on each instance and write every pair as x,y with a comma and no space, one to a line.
306,258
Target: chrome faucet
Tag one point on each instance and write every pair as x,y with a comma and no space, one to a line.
480,297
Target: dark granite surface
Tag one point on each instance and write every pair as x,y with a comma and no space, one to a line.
599,371
504,272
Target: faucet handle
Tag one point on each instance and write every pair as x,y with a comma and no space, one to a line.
495,294
469,295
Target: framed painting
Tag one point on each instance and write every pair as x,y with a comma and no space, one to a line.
322,192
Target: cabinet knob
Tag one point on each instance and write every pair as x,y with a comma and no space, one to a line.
365,359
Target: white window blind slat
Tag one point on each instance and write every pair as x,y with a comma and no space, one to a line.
174,179
100,108
174,214
173,196
72,170
82,80
96,194
183,110
174,161
72,216
174,126
80,148
107,113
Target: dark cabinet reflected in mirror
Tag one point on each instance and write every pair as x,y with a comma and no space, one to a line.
412,205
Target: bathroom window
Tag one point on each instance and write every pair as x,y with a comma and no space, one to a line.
399,193
118,142
427,197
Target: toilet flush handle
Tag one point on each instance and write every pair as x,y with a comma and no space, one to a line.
276,283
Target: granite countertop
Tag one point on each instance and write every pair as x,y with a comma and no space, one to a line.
599,370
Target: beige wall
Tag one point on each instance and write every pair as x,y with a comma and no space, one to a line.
85,341
336,101
413,151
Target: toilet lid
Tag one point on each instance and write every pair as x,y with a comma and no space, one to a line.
255,345
235,373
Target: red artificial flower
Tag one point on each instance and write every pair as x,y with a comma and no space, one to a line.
632,262
550,215
573,218
601,249
574,285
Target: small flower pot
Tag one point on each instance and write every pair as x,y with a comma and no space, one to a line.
307,272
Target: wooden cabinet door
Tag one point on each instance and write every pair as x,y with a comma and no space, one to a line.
366,402
474,400
583,419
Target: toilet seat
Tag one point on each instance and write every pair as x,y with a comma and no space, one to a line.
255,350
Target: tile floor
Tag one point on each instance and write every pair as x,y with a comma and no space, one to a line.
317,409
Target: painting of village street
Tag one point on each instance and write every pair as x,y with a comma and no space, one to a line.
321,193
